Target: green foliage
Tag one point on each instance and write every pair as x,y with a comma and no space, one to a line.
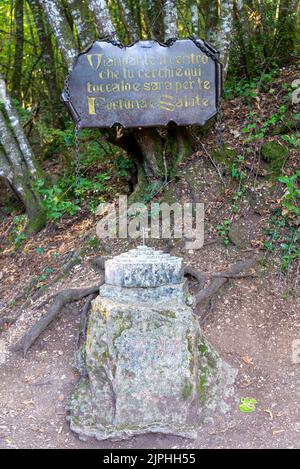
248,89
292,140
223,231
259,128
55,202
283,230
17,232
291,198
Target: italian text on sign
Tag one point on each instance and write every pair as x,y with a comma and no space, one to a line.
146,84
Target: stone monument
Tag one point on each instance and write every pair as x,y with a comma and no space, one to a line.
147,366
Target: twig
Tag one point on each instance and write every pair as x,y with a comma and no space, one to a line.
213,163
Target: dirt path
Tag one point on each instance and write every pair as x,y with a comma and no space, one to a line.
251,320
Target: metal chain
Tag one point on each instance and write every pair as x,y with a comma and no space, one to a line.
77,157
67,97
67,94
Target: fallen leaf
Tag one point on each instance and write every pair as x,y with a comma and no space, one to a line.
245,384
248,360
247,405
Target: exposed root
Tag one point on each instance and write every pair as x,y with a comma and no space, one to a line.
204,296
60,300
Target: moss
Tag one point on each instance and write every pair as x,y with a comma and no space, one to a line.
210,356
37,222
202,383
203,349
275,155
224,155
145,191
187,391
121,325
168,314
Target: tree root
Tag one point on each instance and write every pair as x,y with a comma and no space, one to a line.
84,319
61,299
204,296
219,279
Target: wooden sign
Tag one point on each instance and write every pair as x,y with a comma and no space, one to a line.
146,84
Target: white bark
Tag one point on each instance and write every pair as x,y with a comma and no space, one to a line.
221,37
132,26
195,17
14,169
24,146
170,19
5,169
84,30
102,18
61,30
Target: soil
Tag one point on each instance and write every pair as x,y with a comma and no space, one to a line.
253,323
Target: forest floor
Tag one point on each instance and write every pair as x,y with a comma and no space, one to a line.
253,324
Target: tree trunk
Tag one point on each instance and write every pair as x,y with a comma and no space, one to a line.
243,37
61,30
220,35
85,28
170,19
19,44
102,18
156,153
17,164
48,63
285,38
130,25
195,18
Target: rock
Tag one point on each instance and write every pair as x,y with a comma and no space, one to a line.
238,236
148,366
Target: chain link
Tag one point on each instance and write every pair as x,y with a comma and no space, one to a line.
67,94
77,157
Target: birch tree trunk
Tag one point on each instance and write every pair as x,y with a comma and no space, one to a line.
48,62
17,163
170,19
130,26
195,18
220,36
102,18
85,28
19,43
61,30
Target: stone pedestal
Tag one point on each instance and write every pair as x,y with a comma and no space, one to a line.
148,367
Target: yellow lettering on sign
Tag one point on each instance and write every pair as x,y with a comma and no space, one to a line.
91,104
94,63
165,103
